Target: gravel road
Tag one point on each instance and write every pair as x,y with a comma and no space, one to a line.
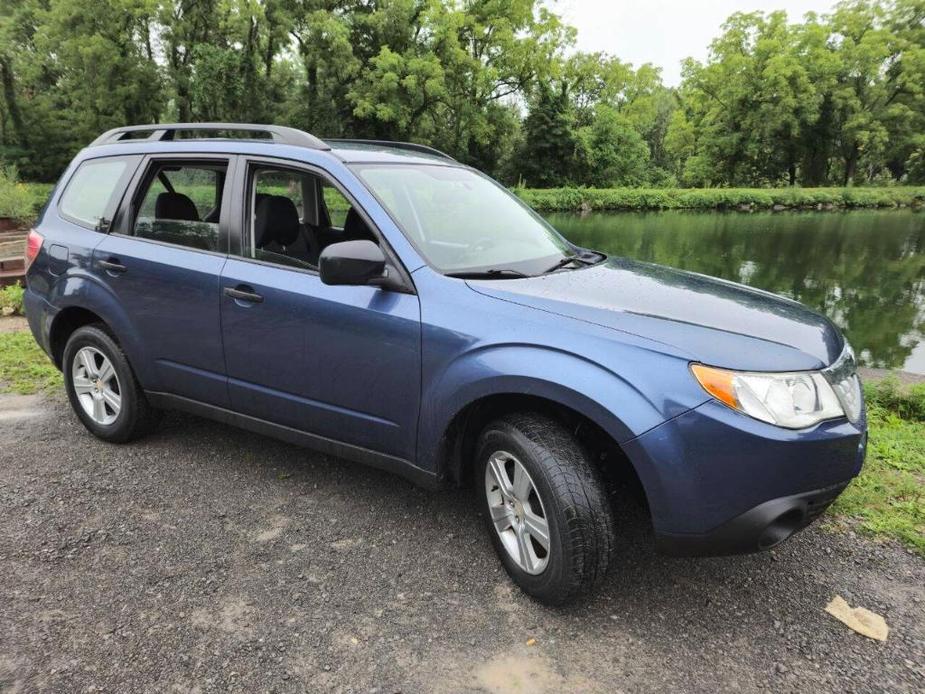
208,559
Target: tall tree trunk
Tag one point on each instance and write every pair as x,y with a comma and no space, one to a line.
12,105
851,164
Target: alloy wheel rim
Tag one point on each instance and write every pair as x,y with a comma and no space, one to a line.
96,385
517,512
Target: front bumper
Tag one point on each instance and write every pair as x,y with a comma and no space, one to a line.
720,482
757,529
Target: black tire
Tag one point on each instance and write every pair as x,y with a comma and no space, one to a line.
576,506
136,417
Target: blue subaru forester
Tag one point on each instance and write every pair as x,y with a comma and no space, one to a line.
381,302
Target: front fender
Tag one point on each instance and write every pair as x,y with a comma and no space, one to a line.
82,290
603,396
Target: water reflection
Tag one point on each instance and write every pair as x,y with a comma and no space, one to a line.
864,269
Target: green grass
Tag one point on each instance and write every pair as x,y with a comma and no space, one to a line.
746,199
887,499
24,367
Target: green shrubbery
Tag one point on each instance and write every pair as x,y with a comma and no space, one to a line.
908,402
577,199
11,300
16,199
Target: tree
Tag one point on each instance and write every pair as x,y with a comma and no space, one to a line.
547,155
611,151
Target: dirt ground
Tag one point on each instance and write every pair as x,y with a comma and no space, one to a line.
209,559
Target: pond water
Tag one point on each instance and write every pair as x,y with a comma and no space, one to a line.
863,269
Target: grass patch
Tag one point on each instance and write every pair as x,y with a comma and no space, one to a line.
24,367
888,497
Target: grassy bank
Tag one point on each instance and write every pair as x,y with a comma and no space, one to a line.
743,199
642,199
887,499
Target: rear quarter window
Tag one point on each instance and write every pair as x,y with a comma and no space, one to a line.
94,190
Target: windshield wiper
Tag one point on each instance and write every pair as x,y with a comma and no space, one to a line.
585,258
490,274
567,260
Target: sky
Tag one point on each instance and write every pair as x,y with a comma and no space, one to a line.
663,32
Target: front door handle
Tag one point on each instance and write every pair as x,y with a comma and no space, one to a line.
243,293
112,265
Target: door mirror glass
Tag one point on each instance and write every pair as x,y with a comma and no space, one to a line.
353,263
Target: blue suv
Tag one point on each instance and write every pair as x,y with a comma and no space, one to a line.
381,302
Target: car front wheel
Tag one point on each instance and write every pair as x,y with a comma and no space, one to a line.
547,511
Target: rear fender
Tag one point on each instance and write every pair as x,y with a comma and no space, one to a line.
82,290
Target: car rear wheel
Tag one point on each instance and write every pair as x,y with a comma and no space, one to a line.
102,388
546,508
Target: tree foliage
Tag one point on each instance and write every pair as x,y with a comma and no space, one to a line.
834,99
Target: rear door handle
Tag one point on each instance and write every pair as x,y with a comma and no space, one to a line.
243,293
112,265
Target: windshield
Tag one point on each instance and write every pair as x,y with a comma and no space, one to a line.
462,221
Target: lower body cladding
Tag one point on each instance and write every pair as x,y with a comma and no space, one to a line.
719,482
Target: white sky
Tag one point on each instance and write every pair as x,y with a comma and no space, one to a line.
663,32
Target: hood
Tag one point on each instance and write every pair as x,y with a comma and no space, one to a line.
711,320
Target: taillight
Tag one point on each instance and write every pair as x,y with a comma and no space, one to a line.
33,246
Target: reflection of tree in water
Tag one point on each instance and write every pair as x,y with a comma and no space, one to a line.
863,269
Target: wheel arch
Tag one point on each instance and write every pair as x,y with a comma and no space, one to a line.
67,321
456,452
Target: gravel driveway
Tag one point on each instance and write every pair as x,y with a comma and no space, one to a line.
209,559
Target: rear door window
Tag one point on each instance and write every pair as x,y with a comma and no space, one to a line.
94,191
181,203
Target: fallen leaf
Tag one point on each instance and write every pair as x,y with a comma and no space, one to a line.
531,642
861,620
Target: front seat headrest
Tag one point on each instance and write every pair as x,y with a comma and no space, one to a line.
175,206
276,219
355,229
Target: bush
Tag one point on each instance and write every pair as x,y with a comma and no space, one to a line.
908,402
16,200
11,300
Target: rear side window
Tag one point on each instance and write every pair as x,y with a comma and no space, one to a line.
94,190
181,203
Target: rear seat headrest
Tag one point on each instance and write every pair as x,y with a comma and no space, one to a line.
175,206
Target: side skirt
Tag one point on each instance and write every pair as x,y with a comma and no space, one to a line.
322,444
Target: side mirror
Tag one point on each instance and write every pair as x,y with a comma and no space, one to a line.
353,263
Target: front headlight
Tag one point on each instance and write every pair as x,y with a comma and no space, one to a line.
793,400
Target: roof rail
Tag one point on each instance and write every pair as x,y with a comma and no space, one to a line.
410,146
167,131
